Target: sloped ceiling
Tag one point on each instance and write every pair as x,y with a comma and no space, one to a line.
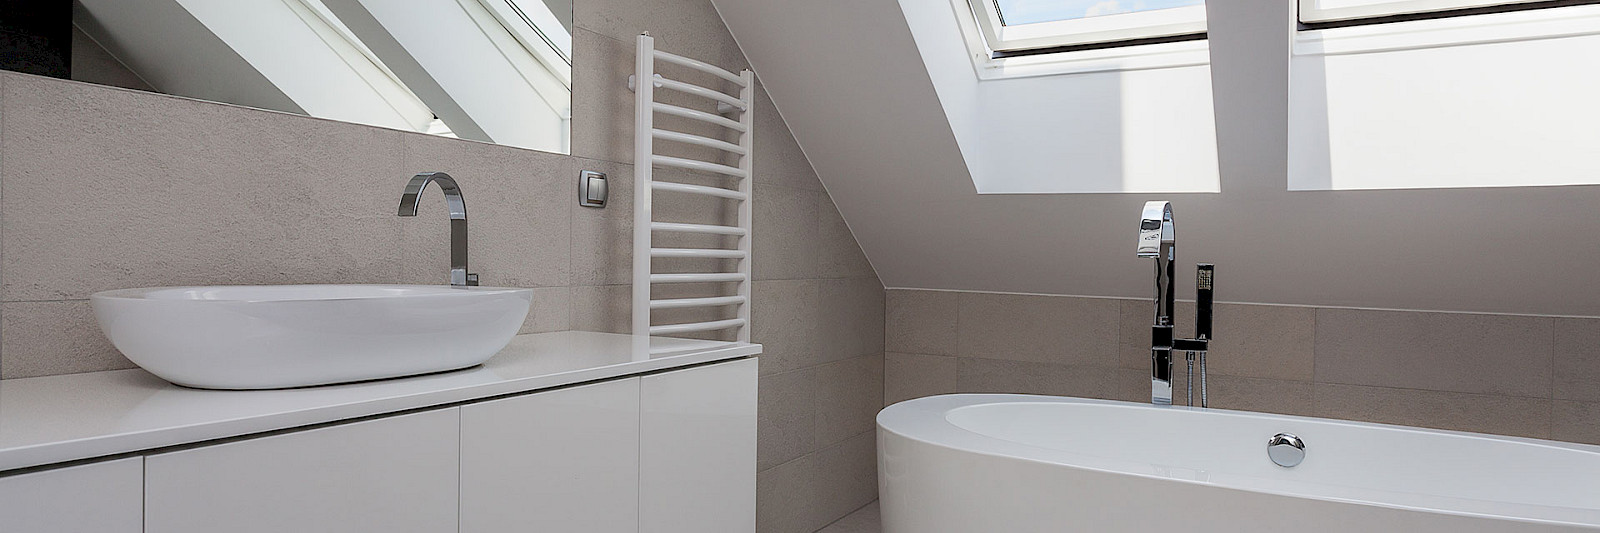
847,77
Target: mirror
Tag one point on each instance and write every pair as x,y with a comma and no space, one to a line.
496,71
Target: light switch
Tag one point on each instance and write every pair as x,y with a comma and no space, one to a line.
592,189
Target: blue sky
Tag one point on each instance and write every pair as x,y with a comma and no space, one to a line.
1030,11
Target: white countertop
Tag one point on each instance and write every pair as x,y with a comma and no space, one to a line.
55,419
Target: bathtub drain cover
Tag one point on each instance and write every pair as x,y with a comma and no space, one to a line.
1286,450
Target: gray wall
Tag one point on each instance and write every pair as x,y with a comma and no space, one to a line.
1529,376
103,188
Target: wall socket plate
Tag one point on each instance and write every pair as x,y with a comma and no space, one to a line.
592,189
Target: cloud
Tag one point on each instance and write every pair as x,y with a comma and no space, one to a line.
1106,7
1031,11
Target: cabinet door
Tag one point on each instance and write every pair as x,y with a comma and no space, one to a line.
697,450
564,460
394,474
100,497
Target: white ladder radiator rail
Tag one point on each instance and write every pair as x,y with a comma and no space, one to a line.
645,186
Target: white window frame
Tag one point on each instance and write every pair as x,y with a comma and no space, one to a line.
1342,10
1087,30
981,29
1549,23
534,55
364,62
538,29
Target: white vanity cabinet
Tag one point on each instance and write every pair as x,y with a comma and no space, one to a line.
100,497
697,449
664,449
395,475
563,460
673,452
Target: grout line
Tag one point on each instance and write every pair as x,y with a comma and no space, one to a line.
1412,389
1316,319
65,300
460,457
1341,307
1554,328
1550,428
638,452
3,116
144,492
849,514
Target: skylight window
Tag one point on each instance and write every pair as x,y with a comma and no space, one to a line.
1350,12
1024,27
1017,12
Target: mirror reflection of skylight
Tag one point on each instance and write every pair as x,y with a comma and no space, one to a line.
1017,12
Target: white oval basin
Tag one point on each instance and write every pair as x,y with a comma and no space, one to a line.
279,336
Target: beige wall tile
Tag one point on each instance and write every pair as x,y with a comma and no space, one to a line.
852,318
847,473
687,27
49,338
1052,329
778,158
1132,385
215,195
787,421
786,316
1016,327
1133,333
551,310
606,308
602,116
1503,415
868,519
3,77
1263,341
1577,359
841,254
907,376
787,497
920,321
1225,392
1575,422
602,237
1256,394
1026,377
849,395
787,244
1488,354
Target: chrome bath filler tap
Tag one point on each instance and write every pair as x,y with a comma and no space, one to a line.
1157,241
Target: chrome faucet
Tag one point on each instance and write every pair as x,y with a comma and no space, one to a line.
459,277
1157,241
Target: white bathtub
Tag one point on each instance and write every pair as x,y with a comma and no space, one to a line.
1010,463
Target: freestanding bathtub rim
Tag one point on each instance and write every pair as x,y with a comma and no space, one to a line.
924,420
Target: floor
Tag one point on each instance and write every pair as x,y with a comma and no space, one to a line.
864,520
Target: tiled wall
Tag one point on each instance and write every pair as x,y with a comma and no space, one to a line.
1527,376
104,188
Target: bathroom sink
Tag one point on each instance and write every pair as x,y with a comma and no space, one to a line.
280,336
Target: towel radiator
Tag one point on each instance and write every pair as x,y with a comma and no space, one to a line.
645,186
